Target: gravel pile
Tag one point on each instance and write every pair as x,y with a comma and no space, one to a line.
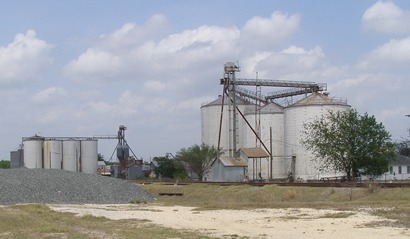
64,187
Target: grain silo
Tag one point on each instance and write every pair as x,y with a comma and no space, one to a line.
89,156
211,121
76,154
52,153
271,131
33,152
71,155
306,110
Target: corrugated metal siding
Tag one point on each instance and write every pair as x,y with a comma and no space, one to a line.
232,162
231,173
210,121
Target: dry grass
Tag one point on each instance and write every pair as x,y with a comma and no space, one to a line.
390,203
38,221
206,196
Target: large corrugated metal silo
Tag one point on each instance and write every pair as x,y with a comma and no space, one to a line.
52,153
71,155
270,117
295,115
33,152
210,121
89,156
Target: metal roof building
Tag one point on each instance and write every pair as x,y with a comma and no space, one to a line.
228,169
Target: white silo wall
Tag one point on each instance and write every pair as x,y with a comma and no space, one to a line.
210,118
71,155
304,111
52,153
271,118
33,153
210,122
89,156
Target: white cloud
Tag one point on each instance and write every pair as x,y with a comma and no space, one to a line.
130,34
386,17
191,105
124,53
92,64
155,86
99,107
175,53
52,115
49,94
203,37
393,54
24,59
291,63
262,33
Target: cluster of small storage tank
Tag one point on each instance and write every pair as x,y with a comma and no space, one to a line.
76,155
285,123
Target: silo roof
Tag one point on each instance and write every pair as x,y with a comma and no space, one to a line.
218,101
272,108
318,99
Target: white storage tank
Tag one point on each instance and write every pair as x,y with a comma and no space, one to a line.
52,154
71,155
89,156
210,121
303,111
33,152
271,119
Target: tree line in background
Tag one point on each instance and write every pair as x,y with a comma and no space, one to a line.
4,164
403,147
196,160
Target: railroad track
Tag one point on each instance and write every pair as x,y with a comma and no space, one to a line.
295,184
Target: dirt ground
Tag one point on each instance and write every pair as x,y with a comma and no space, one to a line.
254,223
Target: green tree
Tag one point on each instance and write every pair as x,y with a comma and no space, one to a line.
198,159
348,142
169,168
4,164
100,157
403,147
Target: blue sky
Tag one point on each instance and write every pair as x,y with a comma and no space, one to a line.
82,68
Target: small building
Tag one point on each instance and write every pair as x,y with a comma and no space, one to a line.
399,169
153,165
134,171
16,159
229,169
103,169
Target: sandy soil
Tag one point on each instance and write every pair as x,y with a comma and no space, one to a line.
255,223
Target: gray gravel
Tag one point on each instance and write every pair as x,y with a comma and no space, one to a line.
64,187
